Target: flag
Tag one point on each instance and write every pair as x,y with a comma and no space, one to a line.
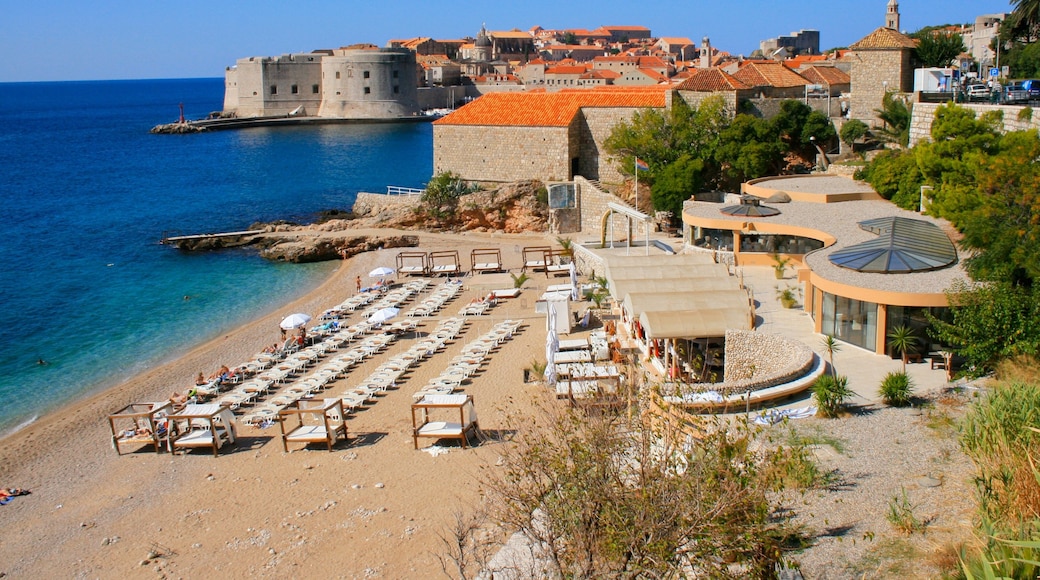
641,165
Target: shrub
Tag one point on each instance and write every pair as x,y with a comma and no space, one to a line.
897,389
831,393
853,130
518,281
1001,434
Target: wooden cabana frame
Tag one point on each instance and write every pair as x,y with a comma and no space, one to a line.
454,406
204,426
554,261
485,260
534,258
439,263
316,422
145,419
407,266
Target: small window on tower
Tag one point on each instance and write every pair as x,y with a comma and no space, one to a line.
368,90
294,89
366,74
314,89
274,89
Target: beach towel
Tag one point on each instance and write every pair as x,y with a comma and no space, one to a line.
774,416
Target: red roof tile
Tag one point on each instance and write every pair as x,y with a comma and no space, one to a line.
825,75
547,109
712,80
768,74
884,39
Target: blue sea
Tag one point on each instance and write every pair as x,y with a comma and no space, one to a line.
87,193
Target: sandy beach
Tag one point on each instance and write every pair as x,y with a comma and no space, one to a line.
373,507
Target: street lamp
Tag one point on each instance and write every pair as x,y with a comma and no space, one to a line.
924,187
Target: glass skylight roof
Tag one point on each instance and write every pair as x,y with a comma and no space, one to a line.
904,245
750,206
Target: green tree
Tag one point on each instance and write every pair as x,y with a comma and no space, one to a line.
831,346
790,121
1005,233
938,49
852,131
675,183
818,126
990,322
749,148
894,174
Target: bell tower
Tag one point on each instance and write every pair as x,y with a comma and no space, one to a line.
892,15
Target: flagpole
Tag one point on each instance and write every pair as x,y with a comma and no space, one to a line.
635,169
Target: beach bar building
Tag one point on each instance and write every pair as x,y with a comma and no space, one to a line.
865,265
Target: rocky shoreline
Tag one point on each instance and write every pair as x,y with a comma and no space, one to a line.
512,208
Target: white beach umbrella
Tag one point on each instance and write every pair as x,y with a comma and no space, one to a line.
380,272
552,344
295,321
383,314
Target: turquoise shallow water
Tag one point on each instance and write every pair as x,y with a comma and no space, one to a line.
87,192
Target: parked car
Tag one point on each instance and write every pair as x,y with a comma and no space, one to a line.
1033,86
978,92
1016,93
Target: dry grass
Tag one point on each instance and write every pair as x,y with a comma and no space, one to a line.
1020,369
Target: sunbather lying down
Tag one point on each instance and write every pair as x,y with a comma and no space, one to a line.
6,495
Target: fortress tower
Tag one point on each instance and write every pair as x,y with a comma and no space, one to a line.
369,83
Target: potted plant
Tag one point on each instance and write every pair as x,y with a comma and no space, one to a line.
780,265
788,296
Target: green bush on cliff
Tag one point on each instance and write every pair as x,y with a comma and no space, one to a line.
441,198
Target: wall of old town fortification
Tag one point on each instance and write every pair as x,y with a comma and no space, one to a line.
593,204
1015,118
498,154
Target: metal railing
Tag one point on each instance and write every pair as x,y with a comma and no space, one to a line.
397,190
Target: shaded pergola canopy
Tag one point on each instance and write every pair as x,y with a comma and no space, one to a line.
702,323
904,245
750,206
636,303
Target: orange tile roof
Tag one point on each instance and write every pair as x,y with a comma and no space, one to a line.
624,28
615,58
712,80
675,40
651,61
884,39
511,34
768,74
825,75
565,70
546,109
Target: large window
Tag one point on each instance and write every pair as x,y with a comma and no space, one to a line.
916,318
849,320
776,244
713,239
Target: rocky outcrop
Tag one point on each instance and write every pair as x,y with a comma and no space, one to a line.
321,249
512,208
177,129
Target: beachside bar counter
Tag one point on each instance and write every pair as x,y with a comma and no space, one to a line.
866,265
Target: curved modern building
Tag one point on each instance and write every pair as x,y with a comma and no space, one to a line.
866,265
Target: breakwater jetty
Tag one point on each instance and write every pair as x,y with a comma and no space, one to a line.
225,123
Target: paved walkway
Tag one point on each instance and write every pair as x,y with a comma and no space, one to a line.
863,368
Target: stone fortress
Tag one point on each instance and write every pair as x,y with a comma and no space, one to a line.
347,83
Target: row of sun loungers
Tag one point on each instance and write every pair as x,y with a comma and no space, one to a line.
396,297
432,304
322,375
387,374
469,360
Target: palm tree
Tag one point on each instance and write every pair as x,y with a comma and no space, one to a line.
903,341
1027,12
831,346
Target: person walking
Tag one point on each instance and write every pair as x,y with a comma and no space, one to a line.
358,284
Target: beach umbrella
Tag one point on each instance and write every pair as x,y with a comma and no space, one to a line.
295,321
380,272
574,282
383,314
552,344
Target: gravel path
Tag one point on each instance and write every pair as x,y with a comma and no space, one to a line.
873,455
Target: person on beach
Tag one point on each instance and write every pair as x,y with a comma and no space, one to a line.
6,495
200,380
358,282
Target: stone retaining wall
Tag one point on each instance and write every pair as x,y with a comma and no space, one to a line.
1015,118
